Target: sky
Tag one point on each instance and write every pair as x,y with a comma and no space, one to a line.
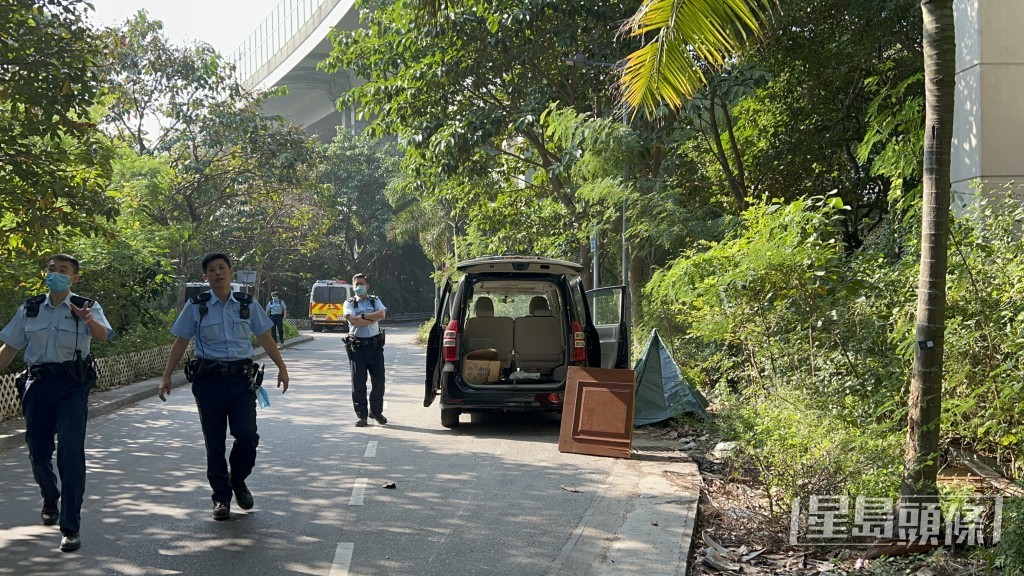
224,24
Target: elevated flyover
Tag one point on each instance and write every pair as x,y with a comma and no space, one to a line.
284,51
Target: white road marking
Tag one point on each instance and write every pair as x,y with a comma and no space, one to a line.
342,559
371,449
358,492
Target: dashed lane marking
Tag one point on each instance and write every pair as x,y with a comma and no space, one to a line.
371,449
342,559
358,492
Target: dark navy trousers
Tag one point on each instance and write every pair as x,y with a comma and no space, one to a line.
227,402
58,405
367,360
277,330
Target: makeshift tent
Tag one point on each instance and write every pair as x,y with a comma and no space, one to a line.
661,392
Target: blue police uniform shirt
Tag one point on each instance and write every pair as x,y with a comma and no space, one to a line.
276,307
222,334
360,306
53,335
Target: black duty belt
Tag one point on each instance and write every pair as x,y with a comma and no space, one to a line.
51,369
224,367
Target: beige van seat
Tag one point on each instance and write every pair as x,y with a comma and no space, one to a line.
485,330
539,342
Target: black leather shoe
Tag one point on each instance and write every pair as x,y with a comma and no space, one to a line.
361,422
379,418
242,495
221,510
70,543
50,514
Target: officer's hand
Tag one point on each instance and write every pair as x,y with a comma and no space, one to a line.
84,312
282,379
165,388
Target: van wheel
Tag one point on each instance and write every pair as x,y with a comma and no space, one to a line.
318,328
450,417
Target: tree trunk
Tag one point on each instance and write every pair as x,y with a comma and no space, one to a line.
925,403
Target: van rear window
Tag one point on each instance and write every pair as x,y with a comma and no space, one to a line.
330,294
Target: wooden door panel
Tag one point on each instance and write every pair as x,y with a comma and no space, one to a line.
597,417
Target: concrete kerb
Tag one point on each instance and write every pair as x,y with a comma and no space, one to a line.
12,432
642,520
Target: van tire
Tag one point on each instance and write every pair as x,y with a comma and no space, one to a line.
450,417
318,328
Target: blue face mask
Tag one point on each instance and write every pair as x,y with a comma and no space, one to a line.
360,290
58,282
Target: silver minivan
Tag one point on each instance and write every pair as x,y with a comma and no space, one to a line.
505,335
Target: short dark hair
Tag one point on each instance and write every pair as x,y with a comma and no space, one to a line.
64,258
360,276
215,256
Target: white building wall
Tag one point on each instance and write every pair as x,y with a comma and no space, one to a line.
988,136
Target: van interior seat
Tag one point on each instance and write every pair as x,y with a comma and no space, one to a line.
539,340
485,330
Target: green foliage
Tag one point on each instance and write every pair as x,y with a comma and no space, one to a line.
800,333
984,380
53,161
1009,554
138,337
465,95
800,450
224,169
423,332
801,338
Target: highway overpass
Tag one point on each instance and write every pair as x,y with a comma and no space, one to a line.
284,51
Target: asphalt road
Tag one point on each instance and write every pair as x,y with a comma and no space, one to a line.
494,496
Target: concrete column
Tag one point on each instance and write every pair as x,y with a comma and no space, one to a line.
988,137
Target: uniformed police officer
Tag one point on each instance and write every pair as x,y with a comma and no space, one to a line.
365,345
277,310
57,329
222,377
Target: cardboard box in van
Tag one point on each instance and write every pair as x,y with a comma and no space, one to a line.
481,366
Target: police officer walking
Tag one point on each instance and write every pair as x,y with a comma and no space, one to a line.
277,310
365,347
224,378
56,329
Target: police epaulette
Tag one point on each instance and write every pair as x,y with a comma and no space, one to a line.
201,298
36,300
242,297
32,305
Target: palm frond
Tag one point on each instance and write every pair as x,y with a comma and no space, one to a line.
690,37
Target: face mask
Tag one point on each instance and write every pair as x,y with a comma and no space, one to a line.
58,282
360,290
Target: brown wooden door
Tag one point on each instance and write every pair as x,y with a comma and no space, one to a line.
597,417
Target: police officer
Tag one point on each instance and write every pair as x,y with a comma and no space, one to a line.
57,329
277,310
222,377
365,345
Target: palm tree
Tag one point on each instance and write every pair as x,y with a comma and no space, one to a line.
921,456
667,71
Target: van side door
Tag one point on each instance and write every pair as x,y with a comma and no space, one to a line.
442,314
608,309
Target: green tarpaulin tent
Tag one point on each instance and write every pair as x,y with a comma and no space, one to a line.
661,392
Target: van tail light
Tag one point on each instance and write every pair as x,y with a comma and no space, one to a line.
451,334
579,343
